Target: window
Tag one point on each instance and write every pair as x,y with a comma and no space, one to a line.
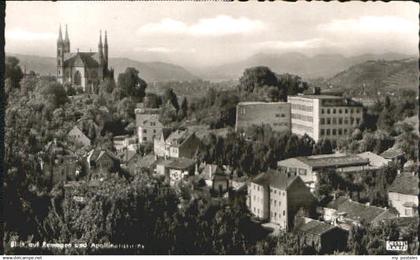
328,121
144,138
302,171
328,131
334,111
345,131
334,132
322,131
334,120
277,115
322,121
340,111
351,110
408,212
144,130
340,121
346,111
275,202
275,191
357,120
346,121
284,212
340,132
322,111
283,115
328,111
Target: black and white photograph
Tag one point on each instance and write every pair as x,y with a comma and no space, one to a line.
210,128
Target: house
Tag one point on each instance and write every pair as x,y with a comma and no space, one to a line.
215,178
324,116
323,237
309,167
148,124
175,169
277,196
77,136
140,164
394,155
124,142
101,161
403,194
274,114
179,143
346,213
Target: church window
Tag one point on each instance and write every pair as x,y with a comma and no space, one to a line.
77,79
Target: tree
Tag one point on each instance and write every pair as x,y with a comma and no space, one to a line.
170,96
257,77
55,95
131,84
13,71
107,85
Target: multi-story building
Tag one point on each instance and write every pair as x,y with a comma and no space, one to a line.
179,143
403,194
309,167
275,114
148,124
324,116
277,197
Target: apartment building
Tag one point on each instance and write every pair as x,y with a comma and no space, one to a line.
179,143
277,197
274,114
148,124
324,116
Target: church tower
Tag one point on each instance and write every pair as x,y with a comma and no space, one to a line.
106,51
60,57
66,42
100,49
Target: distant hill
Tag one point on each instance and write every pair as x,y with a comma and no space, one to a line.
149,71
378,75
324,65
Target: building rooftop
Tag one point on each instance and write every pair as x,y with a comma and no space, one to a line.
317,96
374,159
274,179
332,160
355,210
261,103
180,163
405,183
392,153
315,227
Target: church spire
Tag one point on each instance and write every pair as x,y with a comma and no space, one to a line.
66,39
101,54
60,35
106,49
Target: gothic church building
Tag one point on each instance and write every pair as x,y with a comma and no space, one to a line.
83,70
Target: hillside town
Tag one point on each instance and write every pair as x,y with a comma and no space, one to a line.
272,164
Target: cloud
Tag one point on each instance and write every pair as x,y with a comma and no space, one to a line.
217,26
370,24
19,34
296,45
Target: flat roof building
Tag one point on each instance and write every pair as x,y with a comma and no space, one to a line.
274,114
324,116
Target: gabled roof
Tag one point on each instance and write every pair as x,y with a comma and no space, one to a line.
405,183
212,170
276,179
357,211
178,137
88,59
315,227
181,163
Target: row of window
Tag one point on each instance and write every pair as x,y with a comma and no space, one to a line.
296,171
145,131
274,214
280,115
340,121
281,124
340,110
274,202
302,117
334,131
302,107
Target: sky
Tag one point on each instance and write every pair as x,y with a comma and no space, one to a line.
213,33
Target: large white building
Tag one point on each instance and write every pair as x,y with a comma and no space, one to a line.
275,114
148,124
324,116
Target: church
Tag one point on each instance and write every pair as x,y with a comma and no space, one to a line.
83,70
